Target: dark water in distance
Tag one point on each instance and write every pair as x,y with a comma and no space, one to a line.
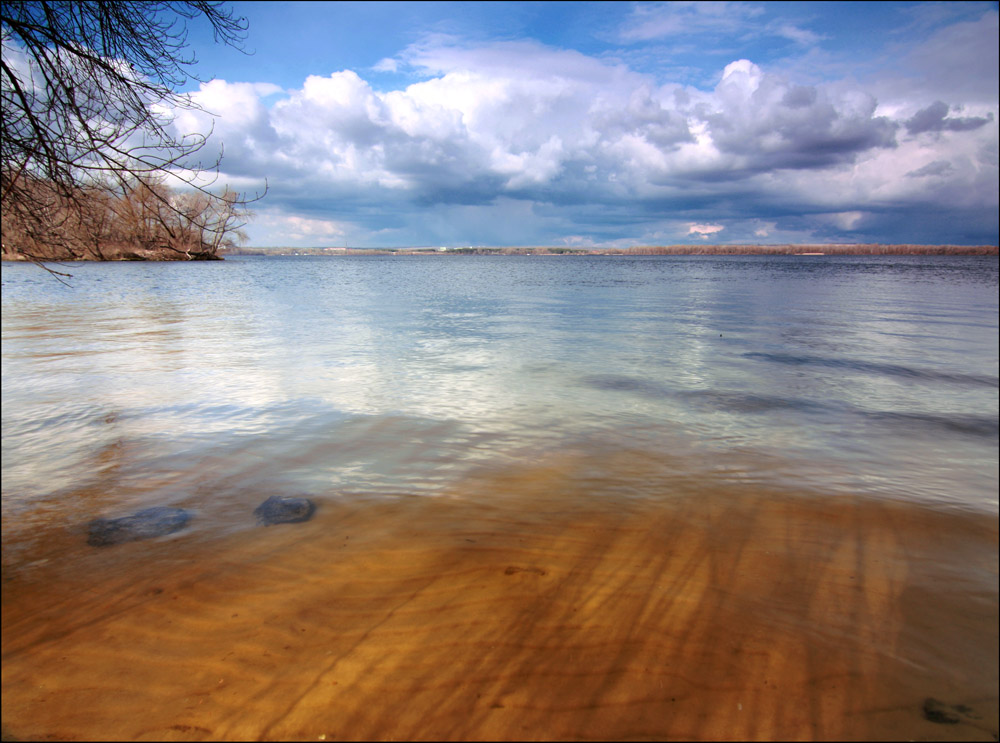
213,385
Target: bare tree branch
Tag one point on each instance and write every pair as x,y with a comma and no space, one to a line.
87,89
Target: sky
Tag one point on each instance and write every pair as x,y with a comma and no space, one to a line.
592,124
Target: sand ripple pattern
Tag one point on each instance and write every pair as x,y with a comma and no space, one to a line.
543,616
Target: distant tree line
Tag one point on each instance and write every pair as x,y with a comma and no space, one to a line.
791,249
838,249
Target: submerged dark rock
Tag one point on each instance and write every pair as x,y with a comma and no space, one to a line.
947,714
280,509
145,524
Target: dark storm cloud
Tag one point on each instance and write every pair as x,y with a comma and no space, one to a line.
935,118
777,125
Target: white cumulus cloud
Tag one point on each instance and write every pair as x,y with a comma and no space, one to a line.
705,230
576,145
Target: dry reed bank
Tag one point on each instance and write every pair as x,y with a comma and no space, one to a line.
845,249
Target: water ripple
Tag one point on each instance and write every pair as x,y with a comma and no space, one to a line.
869,367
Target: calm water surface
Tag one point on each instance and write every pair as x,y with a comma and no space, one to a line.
621,382
153,382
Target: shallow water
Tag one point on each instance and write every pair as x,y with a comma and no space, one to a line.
558,497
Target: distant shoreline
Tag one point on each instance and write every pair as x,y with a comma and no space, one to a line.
805,250
679,250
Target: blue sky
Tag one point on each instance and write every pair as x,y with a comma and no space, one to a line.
608,124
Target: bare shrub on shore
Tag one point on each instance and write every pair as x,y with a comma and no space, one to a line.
87,88
146,220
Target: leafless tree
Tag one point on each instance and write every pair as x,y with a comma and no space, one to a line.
88,87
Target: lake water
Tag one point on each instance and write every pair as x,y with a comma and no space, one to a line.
775,478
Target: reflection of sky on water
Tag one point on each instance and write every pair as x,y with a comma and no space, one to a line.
403,373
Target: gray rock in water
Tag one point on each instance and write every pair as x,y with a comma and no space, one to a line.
280,509
947,714
150,522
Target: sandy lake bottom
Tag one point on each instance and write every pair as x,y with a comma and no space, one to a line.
516,607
